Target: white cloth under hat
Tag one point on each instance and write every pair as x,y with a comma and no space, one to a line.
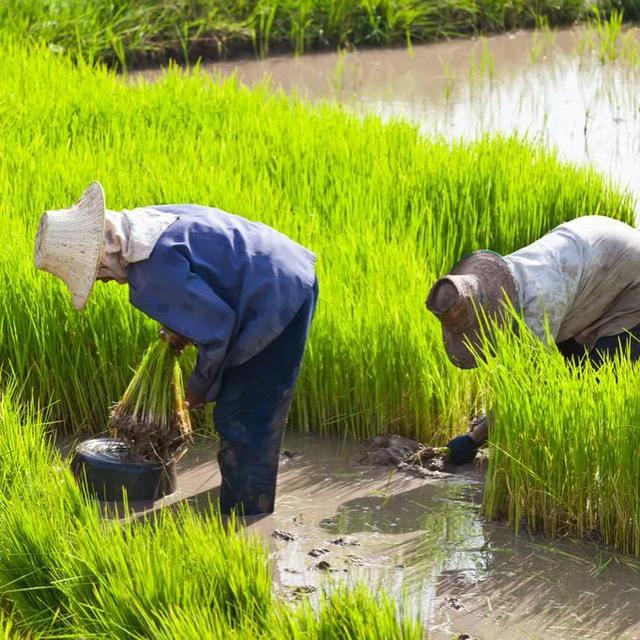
85,241
130,236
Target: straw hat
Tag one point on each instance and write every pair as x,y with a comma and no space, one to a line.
481,281
69,241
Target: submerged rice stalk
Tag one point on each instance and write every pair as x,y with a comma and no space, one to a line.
151,417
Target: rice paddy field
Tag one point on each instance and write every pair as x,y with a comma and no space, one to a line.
386,208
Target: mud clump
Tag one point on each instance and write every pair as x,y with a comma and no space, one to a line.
300,592
280,534
323,565
389,450
405,455
287,456
345,542
316,553
424,472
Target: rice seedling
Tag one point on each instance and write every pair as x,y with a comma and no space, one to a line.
383,230
483,68
564,444
605,37
129,32
150,417
544,37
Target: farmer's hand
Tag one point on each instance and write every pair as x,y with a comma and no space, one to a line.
193,401
177,341
462,449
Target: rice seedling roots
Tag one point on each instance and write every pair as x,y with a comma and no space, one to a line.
148,440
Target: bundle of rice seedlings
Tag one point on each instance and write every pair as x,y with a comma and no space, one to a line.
151,418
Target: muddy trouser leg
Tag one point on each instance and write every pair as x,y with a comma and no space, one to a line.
251,414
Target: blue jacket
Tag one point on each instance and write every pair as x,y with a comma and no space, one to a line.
227,284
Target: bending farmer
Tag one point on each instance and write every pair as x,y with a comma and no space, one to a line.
243,293
583,278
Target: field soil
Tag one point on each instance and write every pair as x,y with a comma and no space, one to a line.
339,520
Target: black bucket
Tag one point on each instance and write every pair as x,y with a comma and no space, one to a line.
107,467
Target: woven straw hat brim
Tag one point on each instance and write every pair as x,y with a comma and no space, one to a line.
69,242
496,281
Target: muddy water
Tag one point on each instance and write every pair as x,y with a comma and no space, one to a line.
426,542
536,84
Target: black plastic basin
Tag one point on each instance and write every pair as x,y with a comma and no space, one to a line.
107,467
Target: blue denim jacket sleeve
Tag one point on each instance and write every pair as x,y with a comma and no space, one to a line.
165,288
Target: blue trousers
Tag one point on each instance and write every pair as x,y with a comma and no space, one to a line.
604,348
251,414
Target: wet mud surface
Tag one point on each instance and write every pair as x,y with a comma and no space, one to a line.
425,540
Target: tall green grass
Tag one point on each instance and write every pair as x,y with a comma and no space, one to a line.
386,210
131,31
564,447
68,572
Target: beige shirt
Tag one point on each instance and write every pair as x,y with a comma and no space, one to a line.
584,277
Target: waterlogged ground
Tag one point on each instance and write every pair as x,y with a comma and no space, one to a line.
425,541
557,87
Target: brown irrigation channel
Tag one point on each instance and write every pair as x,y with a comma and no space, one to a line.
424,540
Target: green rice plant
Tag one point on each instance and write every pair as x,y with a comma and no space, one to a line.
9,631
386,211
150,418
564,444
66,571
608,34
604,37
483,68
544,37
348,613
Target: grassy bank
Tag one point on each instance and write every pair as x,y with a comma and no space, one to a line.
74,574
129,32
385,210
